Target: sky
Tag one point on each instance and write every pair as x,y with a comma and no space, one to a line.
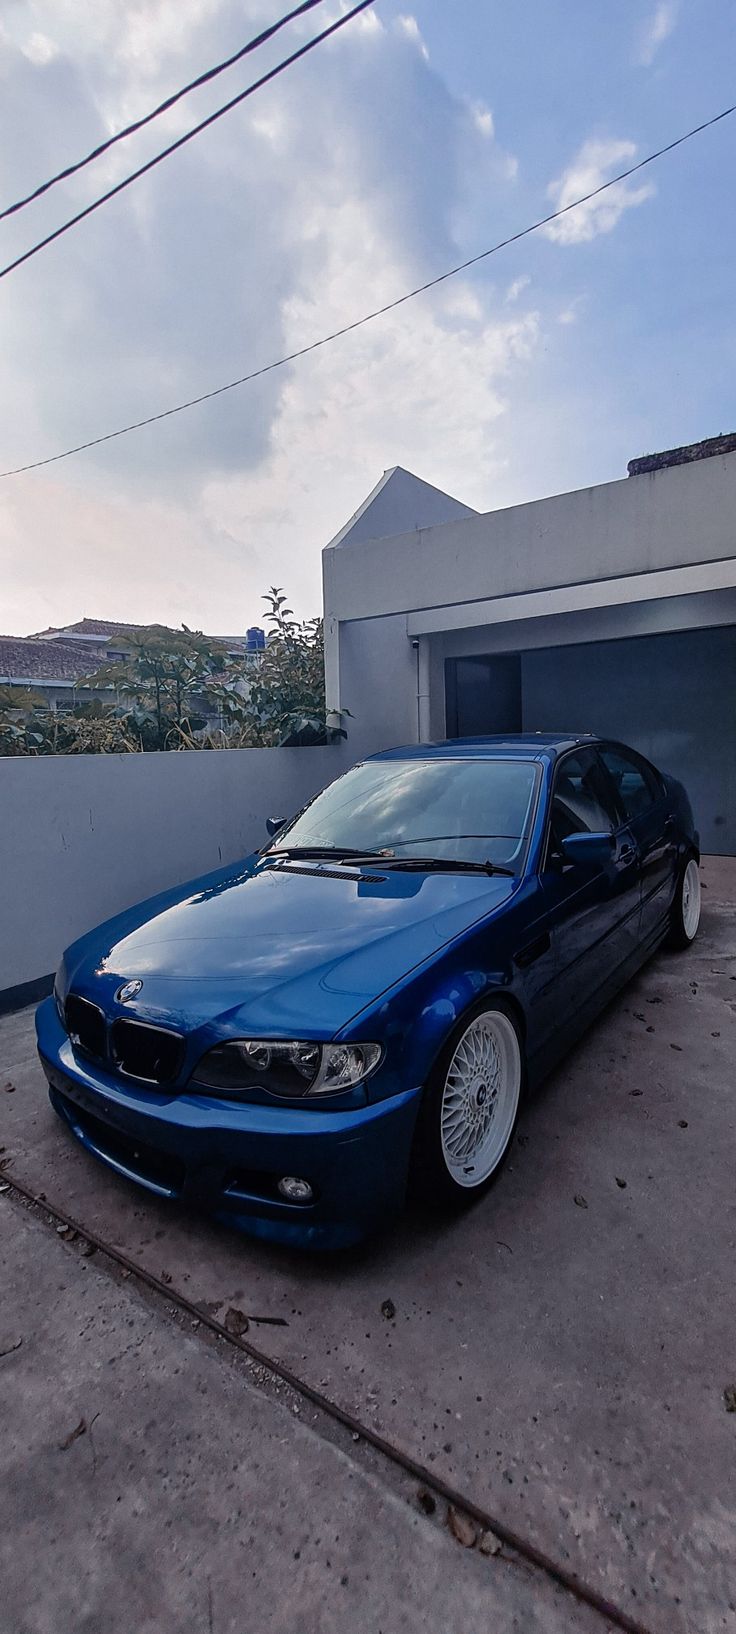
419,136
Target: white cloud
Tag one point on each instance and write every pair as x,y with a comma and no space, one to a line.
39,49
656,30
409,26
516,288
570,313
423,387
482,119
592,165
291,218
368,22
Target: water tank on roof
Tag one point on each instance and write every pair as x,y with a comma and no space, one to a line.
255,640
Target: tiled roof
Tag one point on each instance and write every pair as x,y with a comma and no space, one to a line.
23,659
84,627
69,652
106,628
97,626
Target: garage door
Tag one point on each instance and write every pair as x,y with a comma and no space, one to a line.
671,696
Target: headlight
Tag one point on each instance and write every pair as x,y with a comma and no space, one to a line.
291,1069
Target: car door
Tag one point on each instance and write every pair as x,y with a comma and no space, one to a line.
642,798
593,911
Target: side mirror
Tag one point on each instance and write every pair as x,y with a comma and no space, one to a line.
588,850
275,824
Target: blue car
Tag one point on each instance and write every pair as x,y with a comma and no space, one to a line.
293,1041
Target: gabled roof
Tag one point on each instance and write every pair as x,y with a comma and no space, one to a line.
103,630
97,626
400,503
84,627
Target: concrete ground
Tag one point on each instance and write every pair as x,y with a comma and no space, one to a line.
151,1487
560,1355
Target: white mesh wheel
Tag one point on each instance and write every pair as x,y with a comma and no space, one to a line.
690,901
480,1098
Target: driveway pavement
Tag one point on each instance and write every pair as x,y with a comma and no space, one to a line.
150,1486
561,1353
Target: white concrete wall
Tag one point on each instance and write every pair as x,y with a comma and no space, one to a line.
378,668
399,503
463,587
670,518
82,836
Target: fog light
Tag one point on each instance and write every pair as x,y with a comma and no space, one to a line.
295,1190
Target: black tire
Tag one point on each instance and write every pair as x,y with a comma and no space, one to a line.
681,934
430,1179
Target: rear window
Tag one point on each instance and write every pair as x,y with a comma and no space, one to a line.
637,784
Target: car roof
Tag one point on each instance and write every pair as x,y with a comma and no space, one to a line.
518,745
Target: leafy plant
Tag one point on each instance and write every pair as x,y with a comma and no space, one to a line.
279,698
20,720
29,727
166,676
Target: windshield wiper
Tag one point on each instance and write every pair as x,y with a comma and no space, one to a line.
445,865
345,853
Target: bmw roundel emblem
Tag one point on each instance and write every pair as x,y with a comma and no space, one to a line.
129,990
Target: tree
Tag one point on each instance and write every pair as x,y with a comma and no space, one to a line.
278,696
167,677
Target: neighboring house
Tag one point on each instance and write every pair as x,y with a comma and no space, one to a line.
51,669
611,610
54,661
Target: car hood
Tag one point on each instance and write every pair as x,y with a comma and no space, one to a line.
290,949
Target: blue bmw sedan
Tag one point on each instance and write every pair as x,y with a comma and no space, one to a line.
358,1008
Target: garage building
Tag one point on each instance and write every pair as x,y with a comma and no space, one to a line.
611,609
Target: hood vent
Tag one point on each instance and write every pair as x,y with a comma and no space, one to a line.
332,873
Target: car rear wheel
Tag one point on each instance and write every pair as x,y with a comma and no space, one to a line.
685,917
470,1108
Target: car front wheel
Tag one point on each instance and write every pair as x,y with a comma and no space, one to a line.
685,917
470,1108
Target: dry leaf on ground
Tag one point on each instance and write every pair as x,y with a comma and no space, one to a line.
462,1528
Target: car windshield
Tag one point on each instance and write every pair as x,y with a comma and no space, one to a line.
465,810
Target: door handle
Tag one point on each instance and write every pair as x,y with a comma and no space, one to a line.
627,854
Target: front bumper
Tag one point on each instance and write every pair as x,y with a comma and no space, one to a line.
226,1157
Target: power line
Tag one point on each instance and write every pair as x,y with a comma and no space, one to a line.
379,312
163,107
182,140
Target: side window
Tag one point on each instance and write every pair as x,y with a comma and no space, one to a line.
581,800
636,785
